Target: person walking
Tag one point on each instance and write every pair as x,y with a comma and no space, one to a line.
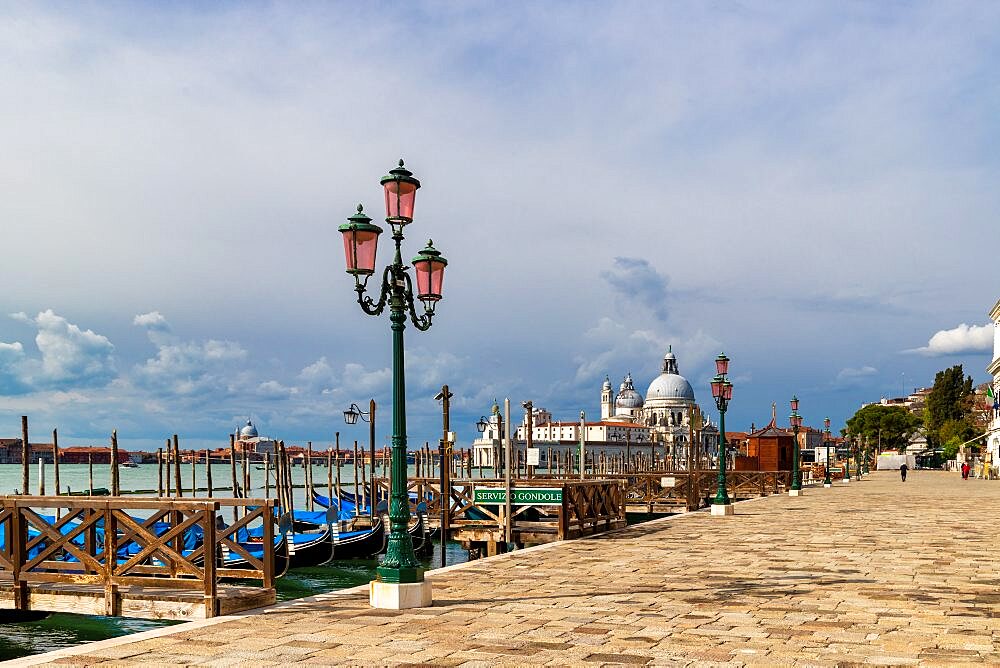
965,470
902,471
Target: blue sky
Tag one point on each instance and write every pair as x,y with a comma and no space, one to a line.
810,187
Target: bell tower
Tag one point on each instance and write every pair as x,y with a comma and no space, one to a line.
607,399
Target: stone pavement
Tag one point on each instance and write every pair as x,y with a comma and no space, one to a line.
874,572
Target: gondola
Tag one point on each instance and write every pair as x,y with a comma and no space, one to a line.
418,527
362,544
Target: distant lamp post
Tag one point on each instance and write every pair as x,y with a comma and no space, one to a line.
482,426
827,481
796,421
399,581
351,416
851,453
722,392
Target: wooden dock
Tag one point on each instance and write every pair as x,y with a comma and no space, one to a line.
149,558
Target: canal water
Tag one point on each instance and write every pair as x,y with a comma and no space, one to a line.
65,630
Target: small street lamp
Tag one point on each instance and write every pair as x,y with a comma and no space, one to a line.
796,421
351,416
827,481
399,581
722,392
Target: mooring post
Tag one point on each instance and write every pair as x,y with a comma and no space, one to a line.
114,463
178,486
55,461
25,455
208,473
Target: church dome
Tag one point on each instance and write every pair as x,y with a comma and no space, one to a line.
249,431
628,398
670,384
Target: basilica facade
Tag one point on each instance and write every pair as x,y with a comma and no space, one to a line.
669,410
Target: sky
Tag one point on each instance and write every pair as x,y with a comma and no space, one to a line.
809,187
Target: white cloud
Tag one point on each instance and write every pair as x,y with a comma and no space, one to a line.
358,379
319,374
70,357
850,377
964,339
272,389
187,368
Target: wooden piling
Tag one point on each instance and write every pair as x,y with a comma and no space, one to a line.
232,467
159,472
194,473
208,473
90,474
178,487
309,478
267,475
329,476
115,490
246,475
357,493
25,455
55,458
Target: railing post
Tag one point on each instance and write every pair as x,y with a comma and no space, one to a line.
268,553
19,536
111,603
208,530
564,513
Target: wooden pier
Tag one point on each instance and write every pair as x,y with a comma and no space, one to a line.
127,557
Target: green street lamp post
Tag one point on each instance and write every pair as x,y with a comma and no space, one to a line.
351,416
847,462
722,392
796,421
864,461
827,481
399,581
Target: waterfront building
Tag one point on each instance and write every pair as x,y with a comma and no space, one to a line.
250,442
992,454
668,418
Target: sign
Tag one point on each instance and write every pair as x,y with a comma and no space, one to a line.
534,456
522,496
668,482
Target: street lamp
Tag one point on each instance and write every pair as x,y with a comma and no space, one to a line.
851,452
722,392
827,481
399,581
351,416
796,421
483,424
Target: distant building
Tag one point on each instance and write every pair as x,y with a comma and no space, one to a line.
249,441
668,418
992,453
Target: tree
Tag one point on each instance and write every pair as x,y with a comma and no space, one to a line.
949,410
891,425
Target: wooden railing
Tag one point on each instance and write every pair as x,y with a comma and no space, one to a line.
112,543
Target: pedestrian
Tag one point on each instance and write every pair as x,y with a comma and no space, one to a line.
965,470
902,471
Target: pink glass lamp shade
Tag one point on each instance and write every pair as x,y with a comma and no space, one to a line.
400,194
360,243
717,386
429,269
727,391
795,403
722,364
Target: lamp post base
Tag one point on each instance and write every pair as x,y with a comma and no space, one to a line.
828,484
723,509
394,596
795,492
847,480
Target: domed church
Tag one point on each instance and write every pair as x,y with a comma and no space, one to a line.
667,410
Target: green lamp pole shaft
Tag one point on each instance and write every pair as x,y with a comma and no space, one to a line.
721,496
400,564
827,481
796,472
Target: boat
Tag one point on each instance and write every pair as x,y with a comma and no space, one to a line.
129,465
362,544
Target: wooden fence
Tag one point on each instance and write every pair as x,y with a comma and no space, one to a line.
133,557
